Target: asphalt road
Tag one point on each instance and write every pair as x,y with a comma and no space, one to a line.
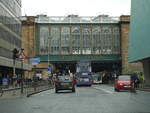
95,99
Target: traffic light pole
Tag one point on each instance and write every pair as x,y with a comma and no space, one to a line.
22,70
21,57
15,54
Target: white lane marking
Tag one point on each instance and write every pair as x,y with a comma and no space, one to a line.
107,91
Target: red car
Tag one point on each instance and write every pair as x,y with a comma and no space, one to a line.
123,82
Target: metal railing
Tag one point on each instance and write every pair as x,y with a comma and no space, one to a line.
29,88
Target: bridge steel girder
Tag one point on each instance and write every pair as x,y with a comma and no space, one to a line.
80,57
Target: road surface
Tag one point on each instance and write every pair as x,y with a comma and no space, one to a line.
95,99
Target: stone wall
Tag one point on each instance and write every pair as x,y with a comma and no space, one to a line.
28,36
28,40
124,29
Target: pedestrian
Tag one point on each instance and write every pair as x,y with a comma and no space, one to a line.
142,79
135,80
1,79
5,81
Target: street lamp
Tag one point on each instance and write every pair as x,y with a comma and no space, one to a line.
22,51
48,50
49,70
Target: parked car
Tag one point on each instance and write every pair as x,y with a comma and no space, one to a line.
123,82
65,83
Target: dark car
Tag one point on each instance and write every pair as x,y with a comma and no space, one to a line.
65,83
123,82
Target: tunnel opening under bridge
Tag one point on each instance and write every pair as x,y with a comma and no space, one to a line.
65,66
96,66
106,66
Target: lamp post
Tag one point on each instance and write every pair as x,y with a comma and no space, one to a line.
48,50
49,72
22,72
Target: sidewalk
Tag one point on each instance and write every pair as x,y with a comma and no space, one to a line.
11,93
28,90
145,88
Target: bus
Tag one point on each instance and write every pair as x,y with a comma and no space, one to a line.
83,73
83,66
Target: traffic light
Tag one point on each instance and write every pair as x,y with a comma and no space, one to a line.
15,53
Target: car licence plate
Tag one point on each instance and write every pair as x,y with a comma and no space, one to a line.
127,86
64,83
86,80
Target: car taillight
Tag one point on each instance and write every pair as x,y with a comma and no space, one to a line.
120,84
74,81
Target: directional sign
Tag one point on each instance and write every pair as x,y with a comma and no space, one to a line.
34,60
22,55
49,68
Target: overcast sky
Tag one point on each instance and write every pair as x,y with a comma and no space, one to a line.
79,7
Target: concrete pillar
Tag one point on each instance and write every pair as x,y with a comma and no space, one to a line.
146,65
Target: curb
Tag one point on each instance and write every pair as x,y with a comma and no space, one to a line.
28,95
148,90
11,89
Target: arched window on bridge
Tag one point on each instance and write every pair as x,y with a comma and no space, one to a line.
96,44
76,41
86,40
65,40
55,40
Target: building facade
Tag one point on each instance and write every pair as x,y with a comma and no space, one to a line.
67,40
139,42
10,35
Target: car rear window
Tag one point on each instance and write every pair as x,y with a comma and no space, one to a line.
64,78
124,78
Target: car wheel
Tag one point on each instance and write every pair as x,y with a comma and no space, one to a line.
56,90
116,89
73,90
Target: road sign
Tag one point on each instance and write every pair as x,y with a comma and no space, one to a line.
34,60
49,68
22,55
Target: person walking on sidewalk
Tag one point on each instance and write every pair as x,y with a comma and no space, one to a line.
142,79
135,80
5,81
